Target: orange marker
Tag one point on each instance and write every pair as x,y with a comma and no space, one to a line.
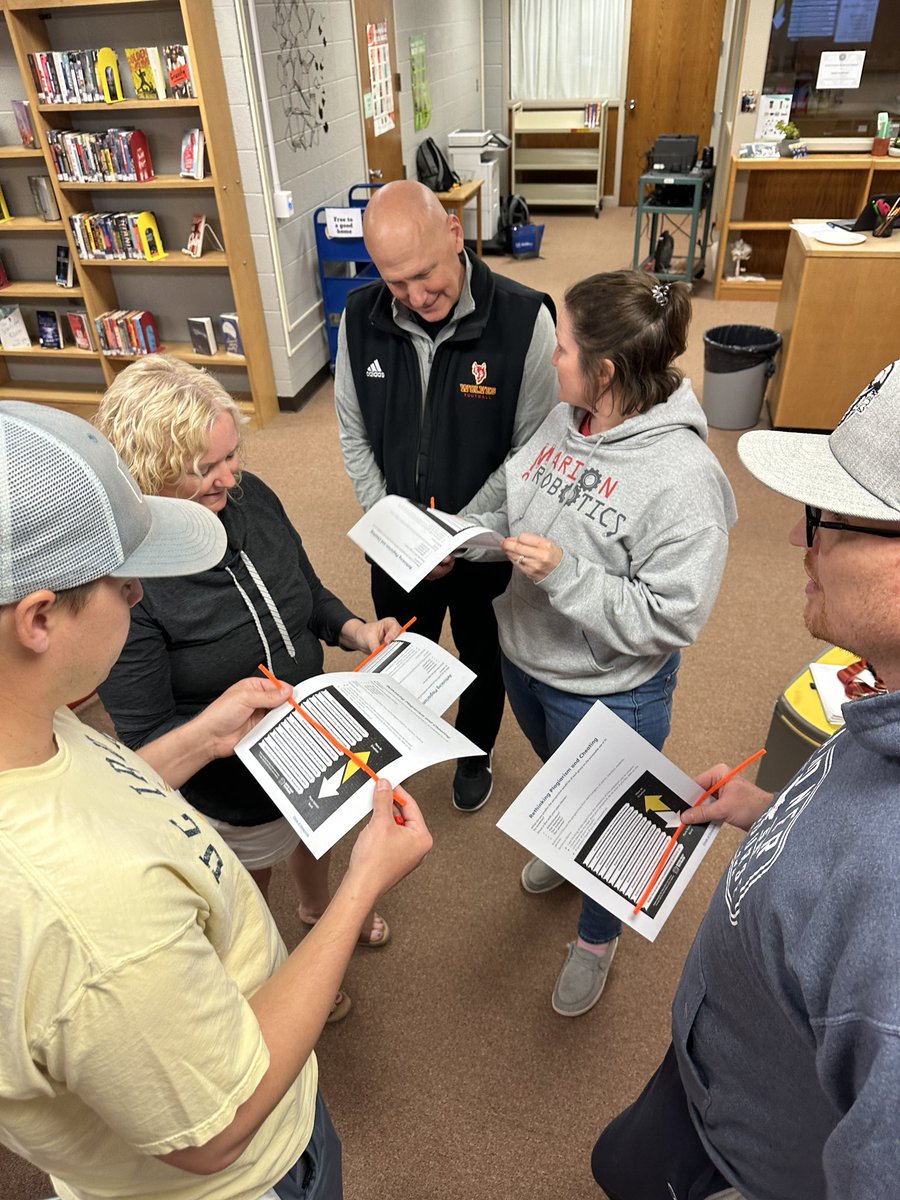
681,828
354,758
378,649
432,501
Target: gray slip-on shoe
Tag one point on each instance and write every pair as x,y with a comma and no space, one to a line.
537,877
582,979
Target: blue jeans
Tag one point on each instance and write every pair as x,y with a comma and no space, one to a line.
547,716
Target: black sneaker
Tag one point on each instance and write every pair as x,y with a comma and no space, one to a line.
472,783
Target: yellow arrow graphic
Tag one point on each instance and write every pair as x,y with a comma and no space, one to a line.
655,804
352,767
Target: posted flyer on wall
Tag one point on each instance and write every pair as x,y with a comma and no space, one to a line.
387,714
408,540
601,812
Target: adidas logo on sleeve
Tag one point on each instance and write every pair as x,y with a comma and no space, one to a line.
374,371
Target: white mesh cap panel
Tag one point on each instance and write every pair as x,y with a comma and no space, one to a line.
53,544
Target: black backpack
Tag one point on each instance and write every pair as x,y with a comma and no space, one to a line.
513,211
433,169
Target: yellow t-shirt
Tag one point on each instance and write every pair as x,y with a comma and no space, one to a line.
130,939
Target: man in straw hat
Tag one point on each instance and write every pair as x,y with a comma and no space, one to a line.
783,1078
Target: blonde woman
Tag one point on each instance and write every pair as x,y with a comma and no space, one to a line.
179,432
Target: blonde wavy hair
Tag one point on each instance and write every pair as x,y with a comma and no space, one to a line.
158,414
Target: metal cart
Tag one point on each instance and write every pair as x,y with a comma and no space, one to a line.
344,264
690,194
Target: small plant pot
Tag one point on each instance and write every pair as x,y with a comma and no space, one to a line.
791,148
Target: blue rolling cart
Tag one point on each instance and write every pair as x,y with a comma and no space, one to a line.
344,264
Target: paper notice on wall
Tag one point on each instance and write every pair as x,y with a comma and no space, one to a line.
344,222
840,68
420,94
772,109
380,77
856,21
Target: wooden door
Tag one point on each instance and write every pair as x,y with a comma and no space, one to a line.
673,64
374,25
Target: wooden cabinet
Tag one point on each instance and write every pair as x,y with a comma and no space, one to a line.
176,286
765,195
838,313
555,159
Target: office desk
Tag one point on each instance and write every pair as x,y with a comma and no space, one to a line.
456,200
699,184
839,316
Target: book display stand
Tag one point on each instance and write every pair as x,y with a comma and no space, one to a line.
218,279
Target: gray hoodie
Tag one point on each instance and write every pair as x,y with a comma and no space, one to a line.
642,515
786,1022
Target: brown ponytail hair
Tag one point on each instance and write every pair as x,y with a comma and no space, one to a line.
637,322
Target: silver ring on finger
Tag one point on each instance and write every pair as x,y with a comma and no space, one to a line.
520,560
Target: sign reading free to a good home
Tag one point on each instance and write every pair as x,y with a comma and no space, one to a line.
344,222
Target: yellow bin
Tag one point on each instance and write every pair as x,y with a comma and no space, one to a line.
798,727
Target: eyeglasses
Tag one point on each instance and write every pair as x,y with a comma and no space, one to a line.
814,521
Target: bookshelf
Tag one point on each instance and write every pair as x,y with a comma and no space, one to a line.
766,194
218,281
556,159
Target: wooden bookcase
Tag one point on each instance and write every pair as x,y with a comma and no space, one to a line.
227,280
765,195
555,159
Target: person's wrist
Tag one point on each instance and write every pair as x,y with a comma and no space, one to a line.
349,638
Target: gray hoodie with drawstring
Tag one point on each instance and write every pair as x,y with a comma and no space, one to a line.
642,514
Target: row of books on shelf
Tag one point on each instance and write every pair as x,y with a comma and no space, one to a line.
92,76
115,155
592,111
14,333
117,235
43,196
119,332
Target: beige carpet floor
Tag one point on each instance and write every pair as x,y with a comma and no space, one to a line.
452,1078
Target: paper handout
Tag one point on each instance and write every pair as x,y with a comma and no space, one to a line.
408,540
387,714
601,812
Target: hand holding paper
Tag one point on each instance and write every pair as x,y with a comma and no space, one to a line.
409,541
739,802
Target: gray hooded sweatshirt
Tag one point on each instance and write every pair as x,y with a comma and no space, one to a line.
642,514
786,1022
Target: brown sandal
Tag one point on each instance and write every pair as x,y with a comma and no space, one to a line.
340,1008
365,939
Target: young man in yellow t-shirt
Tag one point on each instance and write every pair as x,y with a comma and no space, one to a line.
158,1039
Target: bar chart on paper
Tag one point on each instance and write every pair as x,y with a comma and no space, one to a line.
313,775
625,847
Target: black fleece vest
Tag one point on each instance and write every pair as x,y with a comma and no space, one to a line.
447,448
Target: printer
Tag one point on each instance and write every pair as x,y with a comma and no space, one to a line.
468,137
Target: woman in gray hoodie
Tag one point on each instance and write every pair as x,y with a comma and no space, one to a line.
634,511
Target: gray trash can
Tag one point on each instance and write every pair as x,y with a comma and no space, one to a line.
738,360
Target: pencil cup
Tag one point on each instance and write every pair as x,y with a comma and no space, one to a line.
880,147
885,229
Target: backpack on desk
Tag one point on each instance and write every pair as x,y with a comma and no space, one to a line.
432,167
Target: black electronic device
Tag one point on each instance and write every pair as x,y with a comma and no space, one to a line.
706,159
675,152
662,255
869,217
